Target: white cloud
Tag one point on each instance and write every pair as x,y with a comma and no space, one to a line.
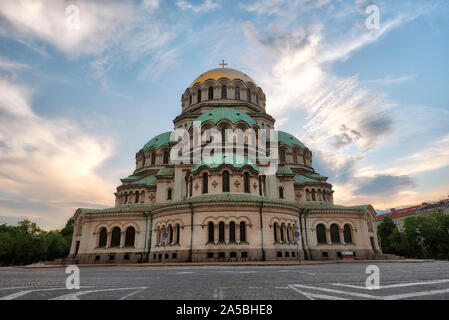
207,5
51,162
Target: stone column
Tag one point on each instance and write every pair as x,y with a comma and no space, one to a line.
328,236
342,238
122,238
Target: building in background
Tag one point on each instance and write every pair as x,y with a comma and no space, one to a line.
399,215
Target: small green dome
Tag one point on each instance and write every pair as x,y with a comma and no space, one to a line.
218,159
289,140
230,114
158,141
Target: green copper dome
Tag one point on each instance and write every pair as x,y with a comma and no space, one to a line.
289,140
218,159
230,114
158,141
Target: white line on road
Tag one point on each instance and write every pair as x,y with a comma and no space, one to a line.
218,294
22,293
415,294
184,272
75,295
132,293
312,296
360,295
399,285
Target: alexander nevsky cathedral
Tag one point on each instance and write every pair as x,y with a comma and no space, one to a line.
224,207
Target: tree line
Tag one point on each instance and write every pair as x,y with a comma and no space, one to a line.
423,237
26,243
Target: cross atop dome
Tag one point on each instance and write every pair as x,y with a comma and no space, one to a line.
223,64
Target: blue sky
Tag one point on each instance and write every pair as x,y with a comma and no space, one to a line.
77,104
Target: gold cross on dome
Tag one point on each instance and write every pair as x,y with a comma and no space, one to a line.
223,64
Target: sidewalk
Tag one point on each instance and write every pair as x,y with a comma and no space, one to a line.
231,264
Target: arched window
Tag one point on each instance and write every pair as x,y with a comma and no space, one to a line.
321,234
275,230
166,156
257,99
126,197
260,186
190,101
143,160
282,155
282,232
103,238
237,93
130,236
246,182
170,234
224,92
295,156
178,229
153,158
199,95
221,232
313,195
205,182
115,237
169,194
248,95
223,135
225,178
211,93
347,233
288,233
136,199
232,231
335,234
211,232
281,193
242,231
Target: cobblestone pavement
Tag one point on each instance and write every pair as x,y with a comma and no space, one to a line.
330,282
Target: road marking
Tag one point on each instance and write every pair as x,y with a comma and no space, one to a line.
75,295
399,285
22,293
14,288
255,288
360,295
312,296
218,294
415,294
131,294
184,272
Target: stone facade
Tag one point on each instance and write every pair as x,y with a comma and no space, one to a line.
227,211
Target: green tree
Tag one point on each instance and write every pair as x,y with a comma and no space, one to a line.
385,230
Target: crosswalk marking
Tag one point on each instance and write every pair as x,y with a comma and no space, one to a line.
399,285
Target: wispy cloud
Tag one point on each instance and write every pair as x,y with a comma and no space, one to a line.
207,5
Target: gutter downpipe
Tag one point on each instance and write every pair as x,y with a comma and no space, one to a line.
261,230
191,232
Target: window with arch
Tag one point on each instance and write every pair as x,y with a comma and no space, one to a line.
224,92
335,233
243,231
237,93
260,186
295,156
282,232
190,100
347,233
321,234
288,233
103,237
130,237
211,93
275,230
126,197
166,156
211,232
169,194
136,198
248,95
178,230
257,99
143,160
153,158
225,182
232,231
221,232
246,182
199,95
281,193
205,182
115,237
170,234
282,155
313,195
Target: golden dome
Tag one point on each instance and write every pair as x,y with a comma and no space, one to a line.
219,73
